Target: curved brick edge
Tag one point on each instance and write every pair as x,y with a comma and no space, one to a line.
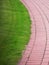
35,53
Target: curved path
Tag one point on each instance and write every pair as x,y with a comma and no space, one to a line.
37,51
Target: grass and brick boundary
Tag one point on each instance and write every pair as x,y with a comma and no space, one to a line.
15,30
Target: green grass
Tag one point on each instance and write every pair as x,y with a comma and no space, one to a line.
15,32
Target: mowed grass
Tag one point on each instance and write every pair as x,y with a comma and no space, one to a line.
15,32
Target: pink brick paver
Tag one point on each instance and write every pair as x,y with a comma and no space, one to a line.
37,50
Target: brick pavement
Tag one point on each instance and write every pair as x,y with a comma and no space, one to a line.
37,50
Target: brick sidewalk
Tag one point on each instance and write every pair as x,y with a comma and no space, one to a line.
37,51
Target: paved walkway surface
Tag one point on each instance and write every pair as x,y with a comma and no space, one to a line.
37,51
